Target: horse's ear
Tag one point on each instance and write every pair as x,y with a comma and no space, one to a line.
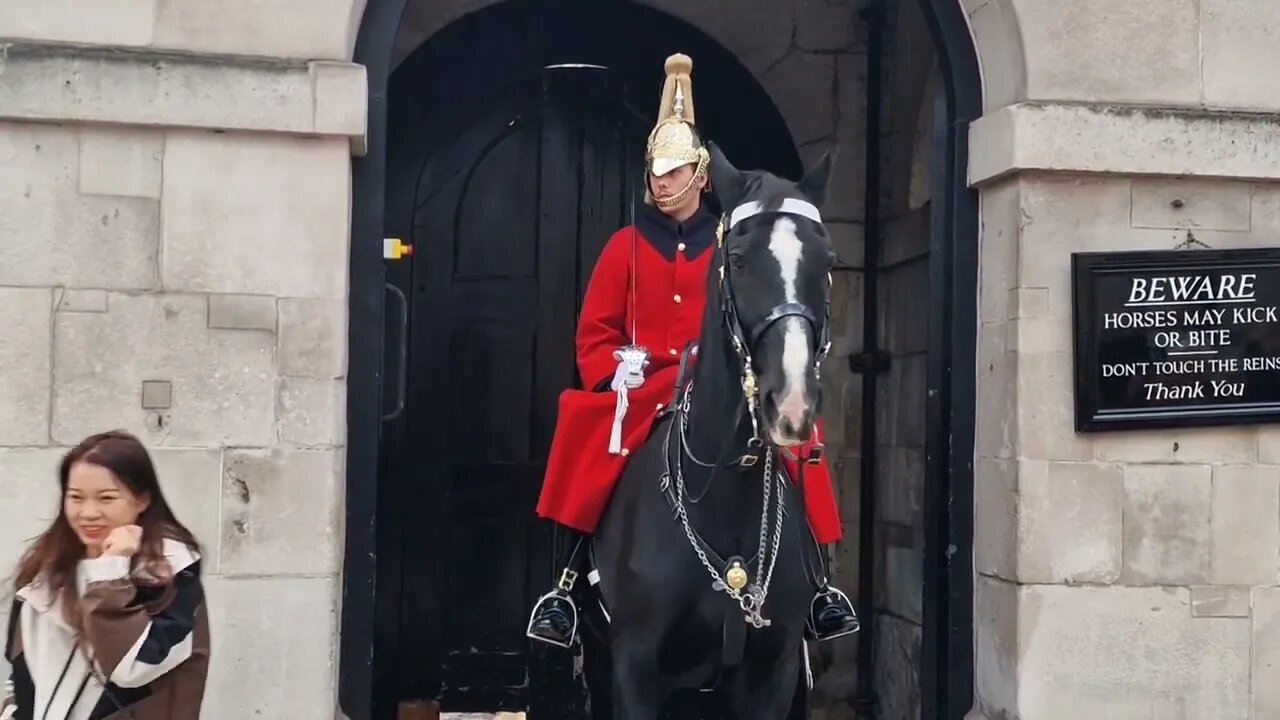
726,181
814,183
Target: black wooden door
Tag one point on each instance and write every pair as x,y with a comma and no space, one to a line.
508,218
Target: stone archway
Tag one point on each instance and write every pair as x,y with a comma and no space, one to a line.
961,80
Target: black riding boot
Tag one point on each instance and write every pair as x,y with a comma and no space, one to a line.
831,614
555,617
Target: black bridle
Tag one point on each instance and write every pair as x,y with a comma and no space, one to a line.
745,341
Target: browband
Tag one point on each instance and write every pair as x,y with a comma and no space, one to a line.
791,206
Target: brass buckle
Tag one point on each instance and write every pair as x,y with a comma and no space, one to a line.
815,454
567,580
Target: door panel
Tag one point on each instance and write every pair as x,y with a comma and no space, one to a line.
508,218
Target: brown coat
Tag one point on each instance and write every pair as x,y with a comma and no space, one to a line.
146,666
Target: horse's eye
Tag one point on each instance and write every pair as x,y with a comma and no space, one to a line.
735,259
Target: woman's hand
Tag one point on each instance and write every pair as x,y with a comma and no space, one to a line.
124,541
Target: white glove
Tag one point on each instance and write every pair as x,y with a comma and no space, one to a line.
622,377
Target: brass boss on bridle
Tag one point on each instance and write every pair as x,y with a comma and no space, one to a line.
746,340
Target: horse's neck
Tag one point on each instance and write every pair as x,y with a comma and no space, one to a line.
715,406
718,430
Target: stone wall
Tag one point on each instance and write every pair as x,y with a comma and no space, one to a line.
173,261
1127,574
910,78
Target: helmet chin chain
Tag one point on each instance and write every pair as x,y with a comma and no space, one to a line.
699,172
673,200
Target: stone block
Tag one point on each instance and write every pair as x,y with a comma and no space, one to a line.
256,215
846,316
1246,525
998,256
904,321
995,532
851,395
758,44
998,35
420,21
29,501
1167,534
275,647
1039,335
1210,601
847,191
1045,408
1264,217
1269,445
157,394
995,644
898,654
901,588
1194,445
53,84
341,93
1123,140
1029,302
313,338
115,22
25,354
906,237
847,239
1266,652
826,24
280,512
836,414
996,425
192,483
223,383
1059,216
242,312
901,496
70,300
1191,203
800,85
51,235
307,29
1237,38
1070,522
900,404
121,162
312,412
1132,653
1158,66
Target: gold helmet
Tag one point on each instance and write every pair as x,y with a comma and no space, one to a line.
674,141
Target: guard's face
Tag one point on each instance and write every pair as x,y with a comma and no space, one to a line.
671,184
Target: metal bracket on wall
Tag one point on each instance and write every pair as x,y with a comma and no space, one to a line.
876,362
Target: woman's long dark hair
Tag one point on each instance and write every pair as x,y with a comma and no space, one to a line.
53,557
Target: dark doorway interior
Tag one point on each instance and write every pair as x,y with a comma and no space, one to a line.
515,148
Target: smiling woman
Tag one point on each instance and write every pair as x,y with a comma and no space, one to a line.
108,619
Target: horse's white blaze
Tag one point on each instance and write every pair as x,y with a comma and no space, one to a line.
787,249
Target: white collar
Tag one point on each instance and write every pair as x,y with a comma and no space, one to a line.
791,206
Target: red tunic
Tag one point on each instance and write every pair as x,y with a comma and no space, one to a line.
670,294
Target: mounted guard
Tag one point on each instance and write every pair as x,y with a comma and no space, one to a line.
641,315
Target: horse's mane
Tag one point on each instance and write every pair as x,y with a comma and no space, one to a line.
765,188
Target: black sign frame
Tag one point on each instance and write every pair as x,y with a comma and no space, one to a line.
1086,269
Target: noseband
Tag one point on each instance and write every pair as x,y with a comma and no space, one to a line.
746,340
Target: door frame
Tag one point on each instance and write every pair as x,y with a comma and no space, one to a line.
953,291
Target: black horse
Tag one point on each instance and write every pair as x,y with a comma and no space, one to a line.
703,560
